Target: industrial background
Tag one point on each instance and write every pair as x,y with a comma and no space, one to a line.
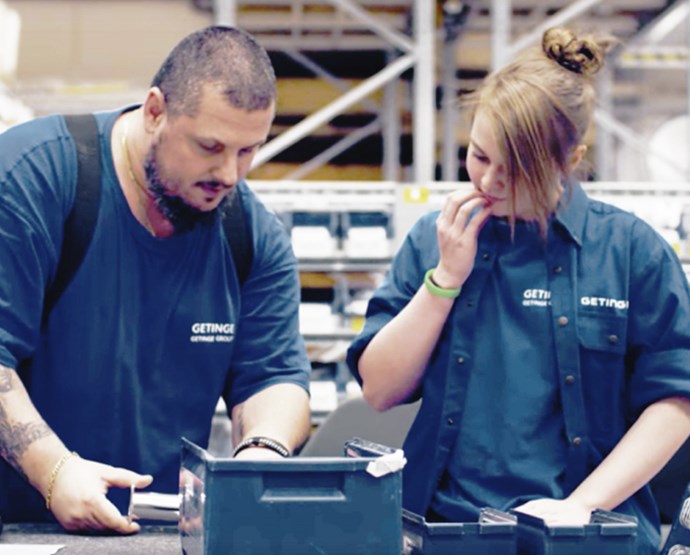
367,134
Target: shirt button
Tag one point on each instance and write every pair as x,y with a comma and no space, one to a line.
485,256
613,339
563,321
470,304
577,441
570,379
450,422
461,360
557,269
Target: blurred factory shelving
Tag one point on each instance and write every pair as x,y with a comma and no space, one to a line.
366,87
336,284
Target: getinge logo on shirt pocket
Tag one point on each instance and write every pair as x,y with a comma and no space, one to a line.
605,302
207,332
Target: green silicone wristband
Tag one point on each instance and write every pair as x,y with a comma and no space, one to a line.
439,291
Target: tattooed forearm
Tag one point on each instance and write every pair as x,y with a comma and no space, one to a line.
15,438
5,379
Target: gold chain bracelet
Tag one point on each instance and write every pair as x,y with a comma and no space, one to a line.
53,475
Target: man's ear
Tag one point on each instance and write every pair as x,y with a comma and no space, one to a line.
576,157
154,109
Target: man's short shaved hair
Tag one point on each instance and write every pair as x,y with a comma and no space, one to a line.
227,58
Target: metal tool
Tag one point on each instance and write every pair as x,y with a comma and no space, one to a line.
149,505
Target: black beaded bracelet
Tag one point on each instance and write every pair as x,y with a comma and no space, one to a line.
264,442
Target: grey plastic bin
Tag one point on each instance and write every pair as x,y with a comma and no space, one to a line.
494,533
295,506
607,533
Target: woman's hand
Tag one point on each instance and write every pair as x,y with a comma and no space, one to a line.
555,512
457,226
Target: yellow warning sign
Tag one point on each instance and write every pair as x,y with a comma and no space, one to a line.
416,195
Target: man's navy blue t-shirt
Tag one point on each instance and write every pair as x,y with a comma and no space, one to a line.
150,332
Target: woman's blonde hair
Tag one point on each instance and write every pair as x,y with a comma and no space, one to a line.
540,107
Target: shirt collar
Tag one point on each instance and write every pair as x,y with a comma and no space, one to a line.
572,211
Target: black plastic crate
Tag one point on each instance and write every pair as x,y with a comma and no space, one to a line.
607,532
494,534
295,506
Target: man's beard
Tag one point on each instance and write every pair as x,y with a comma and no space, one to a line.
182,215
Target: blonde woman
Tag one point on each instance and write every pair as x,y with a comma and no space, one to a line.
547,334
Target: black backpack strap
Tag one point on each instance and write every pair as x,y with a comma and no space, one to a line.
238,237
81,220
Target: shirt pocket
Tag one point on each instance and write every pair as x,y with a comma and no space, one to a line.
603,333
602,340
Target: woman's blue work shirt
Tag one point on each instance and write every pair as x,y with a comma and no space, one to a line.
615,304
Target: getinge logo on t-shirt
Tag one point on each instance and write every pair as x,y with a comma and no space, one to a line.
208,332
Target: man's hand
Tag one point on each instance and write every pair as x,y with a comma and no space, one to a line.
258,454
78,499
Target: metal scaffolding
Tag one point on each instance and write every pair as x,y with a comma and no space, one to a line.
415,50
644,52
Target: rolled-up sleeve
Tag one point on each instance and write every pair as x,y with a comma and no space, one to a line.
418,252
659,328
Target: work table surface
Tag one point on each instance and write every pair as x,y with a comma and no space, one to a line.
152,540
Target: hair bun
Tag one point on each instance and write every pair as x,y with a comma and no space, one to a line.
580,55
